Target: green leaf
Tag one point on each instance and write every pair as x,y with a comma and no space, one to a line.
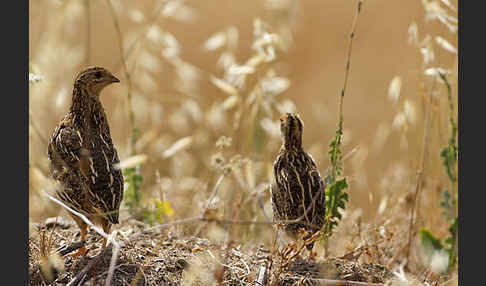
429,241
133,194
447,204
451,241
336,199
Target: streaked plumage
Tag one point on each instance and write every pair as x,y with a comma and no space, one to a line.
82,157
298,189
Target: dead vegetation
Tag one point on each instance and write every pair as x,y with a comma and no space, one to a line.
170,258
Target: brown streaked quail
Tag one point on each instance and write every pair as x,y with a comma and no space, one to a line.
83,159
298,189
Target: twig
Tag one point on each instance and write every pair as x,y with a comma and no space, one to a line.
350,153
213,193
246,266
346,78
299,250
82,276
272,252
131,114
63,250
49,241
262,276
211,197
260,204
111,269
222,221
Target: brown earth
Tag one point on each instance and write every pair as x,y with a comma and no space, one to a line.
168,258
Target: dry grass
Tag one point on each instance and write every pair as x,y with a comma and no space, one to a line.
205,84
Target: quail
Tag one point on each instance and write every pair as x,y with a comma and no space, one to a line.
298,198
83,160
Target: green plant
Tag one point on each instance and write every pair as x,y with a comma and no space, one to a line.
156,211
336,198
449,202
449,153
336,183
133,195
430,242
133,178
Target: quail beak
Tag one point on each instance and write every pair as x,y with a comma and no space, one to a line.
112,79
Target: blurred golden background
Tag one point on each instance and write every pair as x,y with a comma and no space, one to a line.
175,95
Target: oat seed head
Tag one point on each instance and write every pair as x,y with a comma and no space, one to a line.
275,85
172,49
445,44
132,162
436,71
394,89
409,111
215,42
136,16
230,102
224,86
399,120
180,12
413,37
154,34
434,11
178,146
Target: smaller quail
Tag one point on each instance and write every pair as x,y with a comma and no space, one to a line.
298,189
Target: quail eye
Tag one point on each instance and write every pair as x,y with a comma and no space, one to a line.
98,74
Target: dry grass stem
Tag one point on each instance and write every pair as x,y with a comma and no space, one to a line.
420,171
345,84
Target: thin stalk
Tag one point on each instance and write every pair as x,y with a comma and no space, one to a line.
346,79
420,171
453,124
